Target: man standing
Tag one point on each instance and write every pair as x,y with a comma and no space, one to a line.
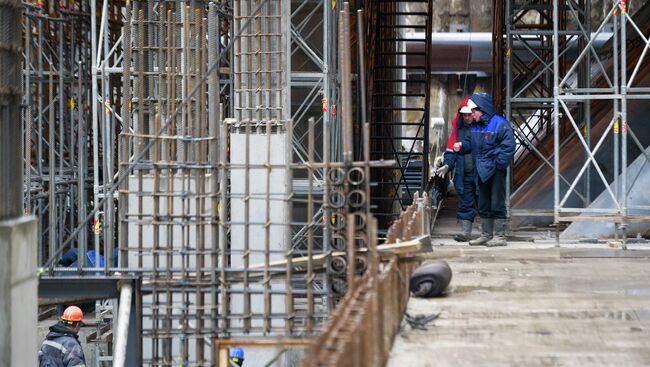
464,180
61,347
492,145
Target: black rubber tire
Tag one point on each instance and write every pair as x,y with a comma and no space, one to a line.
430,279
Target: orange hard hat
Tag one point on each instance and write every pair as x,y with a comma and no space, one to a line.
72,313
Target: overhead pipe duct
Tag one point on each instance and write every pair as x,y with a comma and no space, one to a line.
471,52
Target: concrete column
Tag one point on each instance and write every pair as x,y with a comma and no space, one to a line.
11,148
18,292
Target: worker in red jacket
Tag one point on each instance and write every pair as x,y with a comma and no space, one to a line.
464,181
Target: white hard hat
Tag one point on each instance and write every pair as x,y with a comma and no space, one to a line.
465,109
471,105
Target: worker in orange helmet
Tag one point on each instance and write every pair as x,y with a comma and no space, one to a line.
61,347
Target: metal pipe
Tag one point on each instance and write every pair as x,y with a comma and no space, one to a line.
346,99
201,202
123,318
267,233
623,92
587,106
326,121
224,229
81,175
107,148
28,118
362,64
138,144
556,123
123,200
289,229
310,229
616,111
39,141
508,21
73,158
51,178
61,96
214,110
95,121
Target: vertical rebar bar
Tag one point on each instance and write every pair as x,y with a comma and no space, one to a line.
214,109
61,98
81,163
289,229
246,74
362,66
51,170
139,128
71,55
223,228
200,186
346,85
310,226
123,236
28,117
350,220
107,146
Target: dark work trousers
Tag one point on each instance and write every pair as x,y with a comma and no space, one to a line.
492,196
466,200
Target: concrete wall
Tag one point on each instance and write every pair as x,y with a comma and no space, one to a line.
18,292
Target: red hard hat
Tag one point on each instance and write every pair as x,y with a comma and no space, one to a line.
72,313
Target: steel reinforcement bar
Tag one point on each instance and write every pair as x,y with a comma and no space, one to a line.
361,330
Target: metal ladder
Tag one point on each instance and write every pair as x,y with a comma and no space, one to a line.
400,103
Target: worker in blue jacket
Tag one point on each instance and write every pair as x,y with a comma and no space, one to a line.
492,145
61,347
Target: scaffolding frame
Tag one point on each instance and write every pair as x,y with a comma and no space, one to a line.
590,64
155,82
620,89
525,49
56,40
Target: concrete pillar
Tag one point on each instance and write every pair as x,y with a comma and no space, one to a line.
11,153
18,292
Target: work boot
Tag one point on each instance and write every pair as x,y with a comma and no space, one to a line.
487,227
499,234
466,235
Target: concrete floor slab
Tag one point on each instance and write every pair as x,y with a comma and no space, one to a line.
535,305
